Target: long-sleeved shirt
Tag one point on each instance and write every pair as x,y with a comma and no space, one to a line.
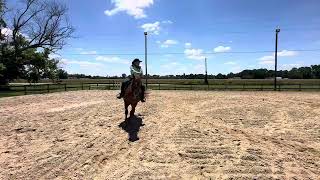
136,72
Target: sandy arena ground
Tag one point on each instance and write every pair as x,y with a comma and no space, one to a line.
182,135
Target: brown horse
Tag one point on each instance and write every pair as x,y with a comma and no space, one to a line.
132,96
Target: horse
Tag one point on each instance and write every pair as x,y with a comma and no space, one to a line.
132,96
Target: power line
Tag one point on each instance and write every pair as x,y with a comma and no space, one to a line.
113,36
181,53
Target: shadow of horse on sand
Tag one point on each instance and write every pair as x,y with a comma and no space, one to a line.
132,127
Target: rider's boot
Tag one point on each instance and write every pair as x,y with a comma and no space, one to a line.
119,96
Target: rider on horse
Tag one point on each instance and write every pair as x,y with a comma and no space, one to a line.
136,72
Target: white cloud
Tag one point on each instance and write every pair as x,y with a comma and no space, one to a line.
199,69
193,53
187,45
270,59
286,53
81,63
167,22
267,58
152,28
230,63
168,43
236,69
89,52
113,59
6,32
220,49
196,54
268,62
290,66
54,56
78,49
170,65
133,8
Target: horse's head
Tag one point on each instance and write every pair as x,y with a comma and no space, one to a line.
136,82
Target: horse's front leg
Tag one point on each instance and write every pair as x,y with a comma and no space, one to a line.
133,109
126,105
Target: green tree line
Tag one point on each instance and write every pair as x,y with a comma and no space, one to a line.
312,72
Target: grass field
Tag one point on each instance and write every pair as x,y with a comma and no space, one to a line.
192,81
22,88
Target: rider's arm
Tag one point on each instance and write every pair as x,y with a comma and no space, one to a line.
135,72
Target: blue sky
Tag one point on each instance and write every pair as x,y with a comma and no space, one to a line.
107,30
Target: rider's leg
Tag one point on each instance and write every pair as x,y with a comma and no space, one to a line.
123,86
143,89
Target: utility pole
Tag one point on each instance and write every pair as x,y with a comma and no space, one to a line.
276,60
145,57
206,76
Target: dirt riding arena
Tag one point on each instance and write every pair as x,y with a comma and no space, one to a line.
175,135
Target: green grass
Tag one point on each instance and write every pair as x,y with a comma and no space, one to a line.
162,84
193,81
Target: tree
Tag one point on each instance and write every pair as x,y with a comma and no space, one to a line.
294,74
221,76
38,65
62,74
305,72
44,23
315,69
230,75
38,26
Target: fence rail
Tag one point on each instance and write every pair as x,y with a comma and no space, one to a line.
47,88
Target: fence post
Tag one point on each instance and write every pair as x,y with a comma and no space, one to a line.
261,87
175,87
208,87
25,89
82,86
112,85
299,87
48,88
279,87
65,87
191,87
